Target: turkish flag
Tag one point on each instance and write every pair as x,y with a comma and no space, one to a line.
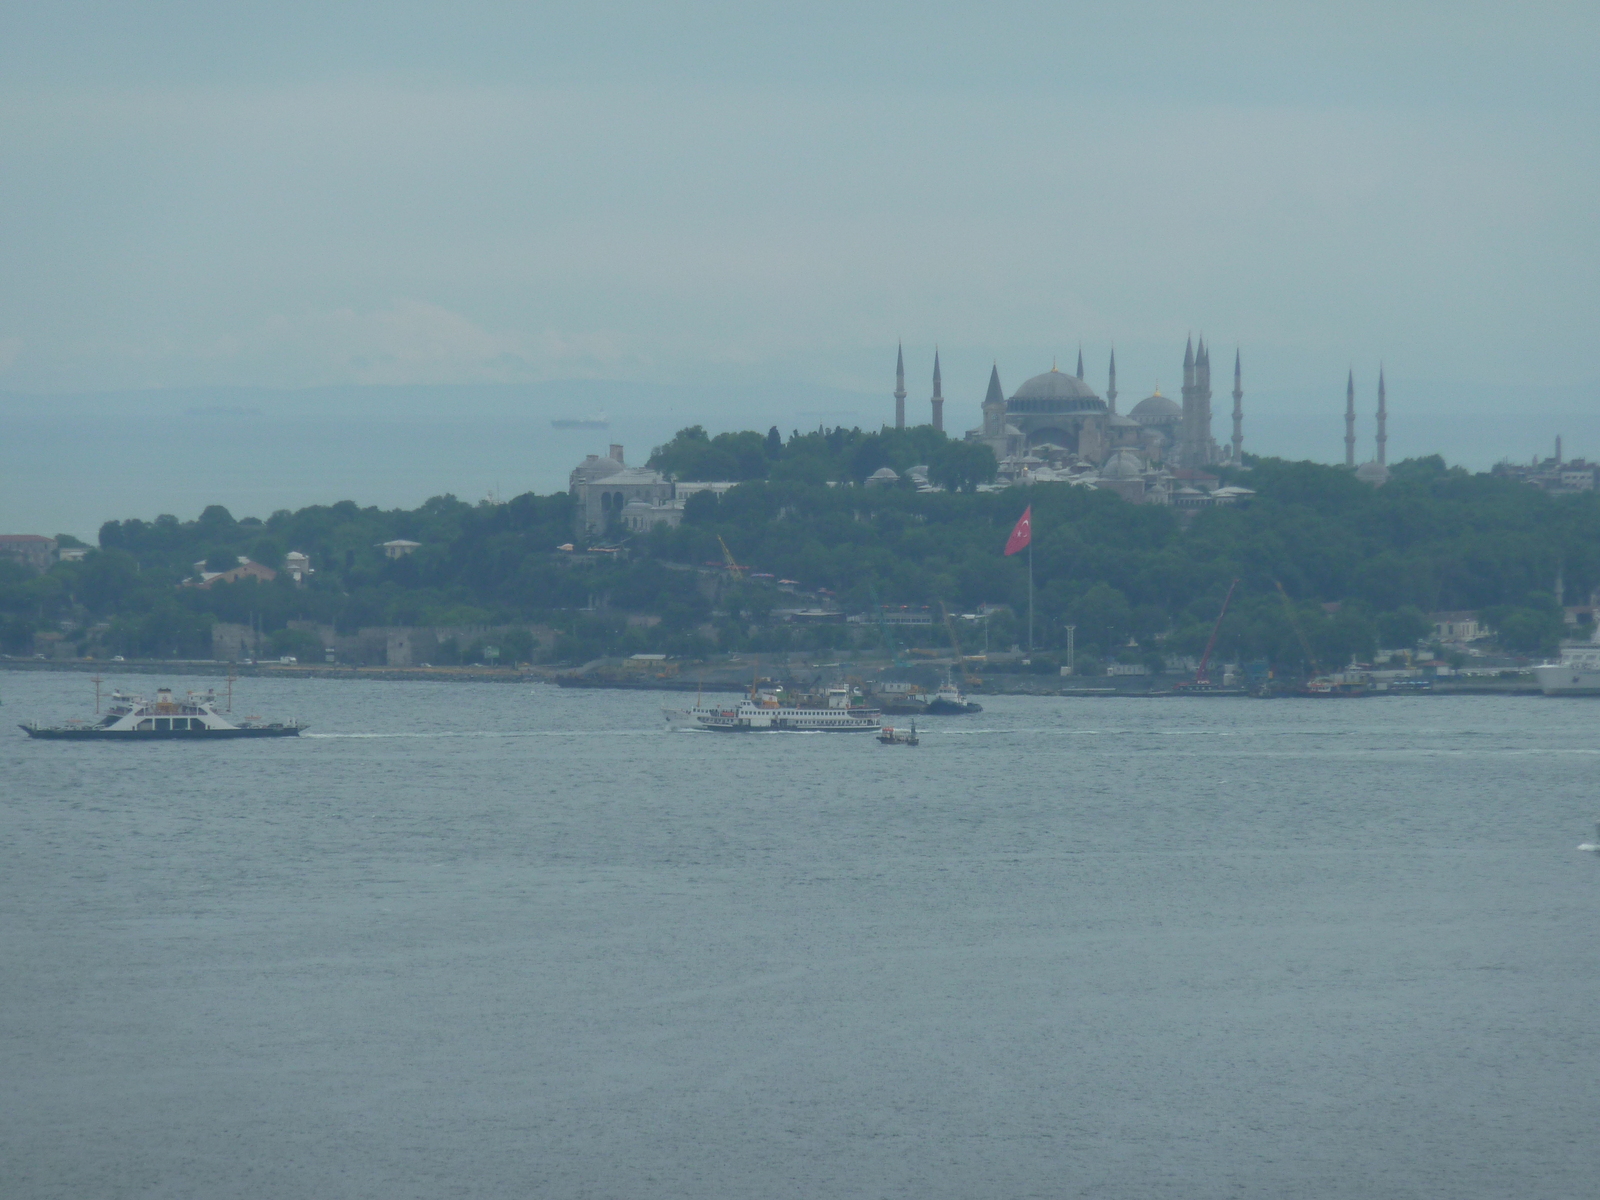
1022,536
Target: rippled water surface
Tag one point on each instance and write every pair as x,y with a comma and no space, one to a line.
485,940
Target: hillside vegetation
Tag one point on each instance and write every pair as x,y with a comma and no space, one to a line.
1434,538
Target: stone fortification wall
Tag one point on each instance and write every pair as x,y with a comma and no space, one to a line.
378,646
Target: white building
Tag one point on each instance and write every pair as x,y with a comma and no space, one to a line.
607,489
1456,626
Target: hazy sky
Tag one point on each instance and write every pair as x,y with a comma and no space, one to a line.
276,194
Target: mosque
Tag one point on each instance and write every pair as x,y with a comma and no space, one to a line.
1056,427
1058,417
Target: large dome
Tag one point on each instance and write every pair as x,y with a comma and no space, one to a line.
1156,410
1055,391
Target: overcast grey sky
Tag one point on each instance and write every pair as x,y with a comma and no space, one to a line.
280,195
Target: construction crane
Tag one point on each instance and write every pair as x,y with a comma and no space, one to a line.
955,642
889,644
1200,675
734,568
1288,606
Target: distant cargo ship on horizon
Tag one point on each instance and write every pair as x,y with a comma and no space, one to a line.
599,421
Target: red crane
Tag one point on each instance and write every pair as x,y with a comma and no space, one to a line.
1200,675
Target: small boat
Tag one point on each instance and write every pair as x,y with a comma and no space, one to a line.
1325,687
135,719
890,736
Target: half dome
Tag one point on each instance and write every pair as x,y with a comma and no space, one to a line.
1124,464
1156,410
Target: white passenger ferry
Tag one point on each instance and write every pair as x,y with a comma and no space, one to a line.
1577,674
838,710
135,719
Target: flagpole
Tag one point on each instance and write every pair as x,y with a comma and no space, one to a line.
1030,592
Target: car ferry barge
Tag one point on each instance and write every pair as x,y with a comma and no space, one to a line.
135,719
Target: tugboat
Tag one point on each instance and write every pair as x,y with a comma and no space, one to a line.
135,719
948,701
838,710
902,699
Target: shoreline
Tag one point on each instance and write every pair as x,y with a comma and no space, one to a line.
221,670
1024,685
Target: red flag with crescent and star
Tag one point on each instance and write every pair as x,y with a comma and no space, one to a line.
1022,536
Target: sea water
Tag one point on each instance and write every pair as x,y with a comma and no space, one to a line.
515,941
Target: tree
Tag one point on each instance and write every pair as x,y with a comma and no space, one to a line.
1533,627
962,466
1403,628
1102,616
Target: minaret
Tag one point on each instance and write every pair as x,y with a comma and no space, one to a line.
1186,438
1111,386
994,406
1383,421
1238,412
1080,362
938,395
1204,447
1350,421
900,388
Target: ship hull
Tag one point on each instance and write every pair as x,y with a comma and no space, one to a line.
952,708
162,735
760,721
1556,679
